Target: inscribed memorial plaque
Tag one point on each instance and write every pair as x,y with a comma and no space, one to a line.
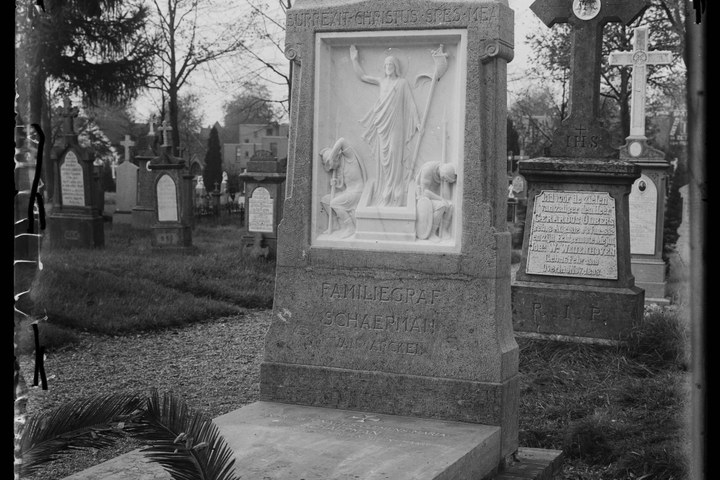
260,211
643,216
71,181
167,199
573,234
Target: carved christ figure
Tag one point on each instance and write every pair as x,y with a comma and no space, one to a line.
390,125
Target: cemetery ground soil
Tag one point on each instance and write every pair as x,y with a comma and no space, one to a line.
618,414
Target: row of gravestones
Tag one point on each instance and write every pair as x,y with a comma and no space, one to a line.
391,351
154,191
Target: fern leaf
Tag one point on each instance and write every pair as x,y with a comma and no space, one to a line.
186,443
93,422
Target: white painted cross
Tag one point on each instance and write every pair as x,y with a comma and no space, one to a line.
639,59
127,143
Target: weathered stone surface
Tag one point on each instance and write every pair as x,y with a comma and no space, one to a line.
581,134
568,289
76,220
279,441
383,327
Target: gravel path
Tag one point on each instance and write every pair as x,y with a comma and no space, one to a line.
213,366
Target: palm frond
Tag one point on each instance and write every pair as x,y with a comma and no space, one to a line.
186,443
92,422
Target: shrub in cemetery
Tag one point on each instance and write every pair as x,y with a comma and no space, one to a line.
661,339
186,443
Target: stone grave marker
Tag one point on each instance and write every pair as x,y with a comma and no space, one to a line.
75,220
264,184
575,280
391,353
143,213
172,182
647,197
126,178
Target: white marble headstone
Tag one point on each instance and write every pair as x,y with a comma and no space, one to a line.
167,199
643,216
260,211
72,186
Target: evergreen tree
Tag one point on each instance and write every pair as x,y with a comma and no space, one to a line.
213,162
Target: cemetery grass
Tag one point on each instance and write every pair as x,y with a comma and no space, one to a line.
616,412
125,287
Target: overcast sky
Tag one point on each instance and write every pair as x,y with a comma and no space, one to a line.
213,97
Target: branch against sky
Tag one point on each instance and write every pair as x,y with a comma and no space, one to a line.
196,34
665,19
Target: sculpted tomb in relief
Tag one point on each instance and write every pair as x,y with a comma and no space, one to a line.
389,116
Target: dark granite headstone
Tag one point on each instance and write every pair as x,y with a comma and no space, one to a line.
172,200
143,213
264,187
575,280
76,219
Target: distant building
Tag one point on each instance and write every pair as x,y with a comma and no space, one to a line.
272,137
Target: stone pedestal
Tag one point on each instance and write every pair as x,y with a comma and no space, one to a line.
575,277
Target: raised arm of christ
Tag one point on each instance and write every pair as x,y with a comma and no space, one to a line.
580,134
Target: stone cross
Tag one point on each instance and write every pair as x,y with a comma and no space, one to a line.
166,131
580,134
639,58
69,113
127,143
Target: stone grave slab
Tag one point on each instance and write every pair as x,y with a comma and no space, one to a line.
280,441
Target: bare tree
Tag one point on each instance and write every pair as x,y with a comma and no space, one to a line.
192,38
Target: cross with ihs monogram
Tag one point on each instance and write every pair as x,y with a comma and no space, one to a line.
580,134
639,59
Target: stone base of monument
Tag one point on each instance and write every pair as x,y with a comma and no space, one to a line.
281,441
68,230
388,223
650,276
122,217
143,217
605,313
176,238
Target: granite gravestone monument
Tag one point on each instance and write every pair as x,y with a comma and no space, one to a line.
575,280
143,213
75,220
172,230
647,197
391,353
126,177
264,184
